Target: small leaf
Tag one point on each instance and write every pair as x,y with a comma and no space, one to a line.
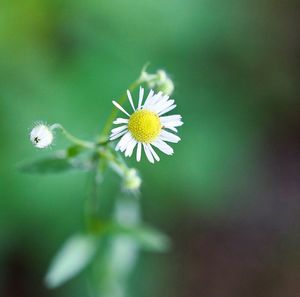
73,257
151,239
74,150
147,237
52,164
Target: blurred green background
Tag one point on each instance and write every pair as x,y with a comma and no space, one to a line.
228,198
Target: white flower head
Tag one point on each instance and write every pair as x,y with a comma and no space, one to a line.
147,126
41,136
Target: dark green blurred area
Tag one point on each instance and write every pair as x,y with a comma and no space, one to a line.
229,197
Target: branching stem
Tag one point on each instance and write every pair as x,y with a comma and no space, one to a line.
72,138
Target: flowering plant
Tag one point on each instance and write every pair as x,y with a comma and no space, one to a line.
110,247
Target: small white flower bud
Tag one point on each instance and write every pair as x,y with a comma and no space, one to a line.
132,181
167,86
159,81
164,83
41,136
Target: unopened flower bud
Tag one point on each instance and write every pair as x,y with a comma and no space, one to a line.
159,81
41,136
132,180
164,83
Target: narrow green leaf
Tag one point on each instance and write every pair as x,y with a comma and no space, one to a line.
151,239
147,237
56,164
53,164
72,258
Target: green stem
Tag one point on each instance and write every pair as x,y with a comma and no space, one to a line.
92,200
119,253
112,158
72,138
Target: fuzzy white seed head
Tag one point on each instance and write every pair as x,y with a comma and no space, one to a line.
41,136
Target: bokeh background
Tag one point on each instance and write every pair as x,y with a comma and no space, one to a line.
228,198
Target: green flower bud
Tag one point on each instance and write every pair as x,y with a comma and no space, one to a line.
164,83
160,81
132,180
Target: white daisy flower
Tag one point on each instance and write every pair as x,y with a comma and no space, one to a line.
41,136
146,126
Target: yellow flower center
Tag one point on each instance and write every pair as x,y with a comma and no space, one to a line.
144,125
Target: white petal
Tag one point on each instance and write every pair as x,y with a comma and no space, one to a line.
118,129
170,118
159,101
164,99
126,143
170,137
164,105
130,148
148,153
154,100
139,152
115,136
130,100
167,110
164,147
141,97
120,121
124,140
173,124
148,97
154,154
117,105
171,128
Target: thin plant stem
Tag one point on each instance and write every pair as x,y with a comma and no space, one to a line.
72,138
92,200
